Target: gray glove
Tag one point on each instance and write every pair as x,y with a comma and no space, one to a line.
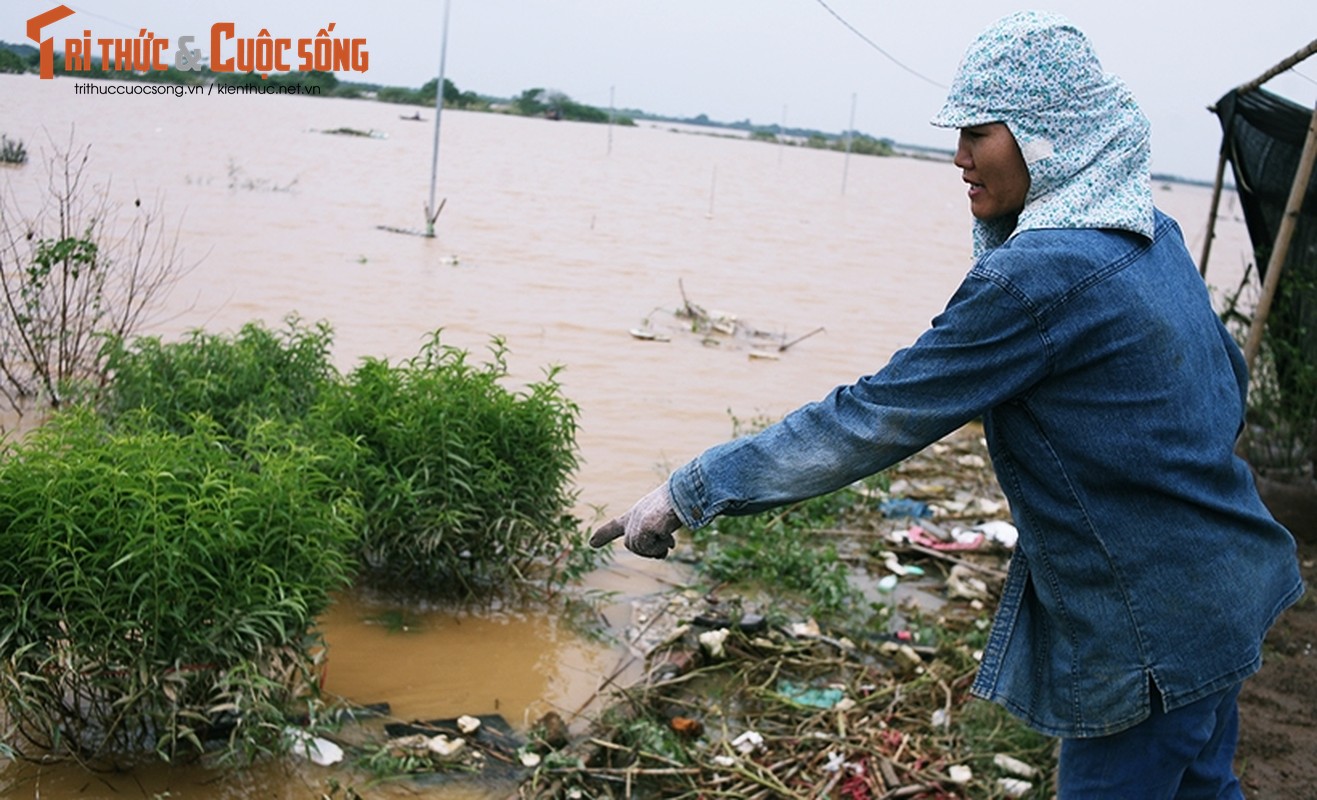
646,528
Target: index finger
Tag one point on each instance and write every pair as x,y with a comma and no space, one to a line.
607,533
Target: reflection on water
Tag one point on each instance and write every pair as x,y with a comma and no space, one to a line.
559,242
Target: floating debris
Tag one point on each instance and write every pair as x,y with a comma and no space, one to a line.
313,748
794,710
713,641
444,747
468,724
748,742
721,329
468,744
368,134
904,507
738,700
811,697
646,334
1014,766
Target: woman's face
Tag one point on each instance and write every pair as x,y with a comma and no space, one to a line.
990,162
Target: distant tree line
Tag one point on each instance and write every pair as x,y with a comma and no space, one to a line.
538,102
860,143
534,102
18,58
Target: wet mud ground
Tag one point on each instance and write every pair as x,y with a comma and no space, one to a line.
1277,755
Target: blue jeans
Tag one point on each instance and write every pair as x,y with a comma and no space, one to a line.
1186,754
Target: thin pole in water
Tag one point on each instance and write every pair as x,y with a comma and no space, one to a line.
713,189
782,136
431,211
850,132
610,120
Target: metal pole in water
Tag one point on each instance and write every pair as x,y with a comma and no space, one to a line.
713,189
850,132
431,212
782,136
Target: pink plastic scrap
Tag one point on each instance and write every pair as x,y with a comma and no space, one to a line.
919,536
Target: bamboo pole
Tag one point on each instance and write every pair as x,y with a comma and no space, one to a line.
1281,248
1299,55
431,211
1211,215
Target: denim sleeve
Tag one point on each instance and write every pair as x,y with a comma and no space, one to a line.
983,349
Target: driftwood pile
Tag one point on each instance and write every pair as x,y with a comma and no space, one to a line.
715,329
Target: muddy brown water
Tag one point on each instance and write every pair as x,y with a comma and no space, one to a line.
561,238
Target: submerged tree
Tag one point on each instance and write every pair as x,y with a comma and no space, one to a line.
71,274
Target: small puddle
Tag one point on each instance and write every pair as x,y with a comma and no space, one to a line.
425,664
431,664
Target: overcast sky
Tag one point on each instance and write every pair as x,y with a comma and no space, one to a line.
807,63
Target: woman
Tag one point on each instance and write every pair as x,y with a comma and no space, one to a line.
1147,570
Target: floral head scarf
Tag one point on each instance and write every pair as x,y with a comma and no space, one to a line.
1082,135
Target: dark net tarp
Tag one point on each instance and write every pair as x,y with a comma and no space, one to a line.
1263,136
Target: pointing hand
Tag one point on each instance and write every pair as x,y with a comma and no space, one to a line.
646,529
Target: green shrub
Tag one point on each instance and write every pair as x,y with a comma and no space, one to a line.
780,550
868,146
1281,439
1283,397
257,374
401,94
11,62
159,587
859,144
465,483
12,151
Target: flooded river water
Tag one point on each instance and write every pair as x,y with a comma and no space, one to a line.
559,237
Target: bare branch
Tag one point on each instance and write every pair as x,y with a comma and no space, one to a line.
71,276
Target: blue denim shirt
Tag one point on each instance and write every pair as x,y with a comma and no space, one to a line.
1112,397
